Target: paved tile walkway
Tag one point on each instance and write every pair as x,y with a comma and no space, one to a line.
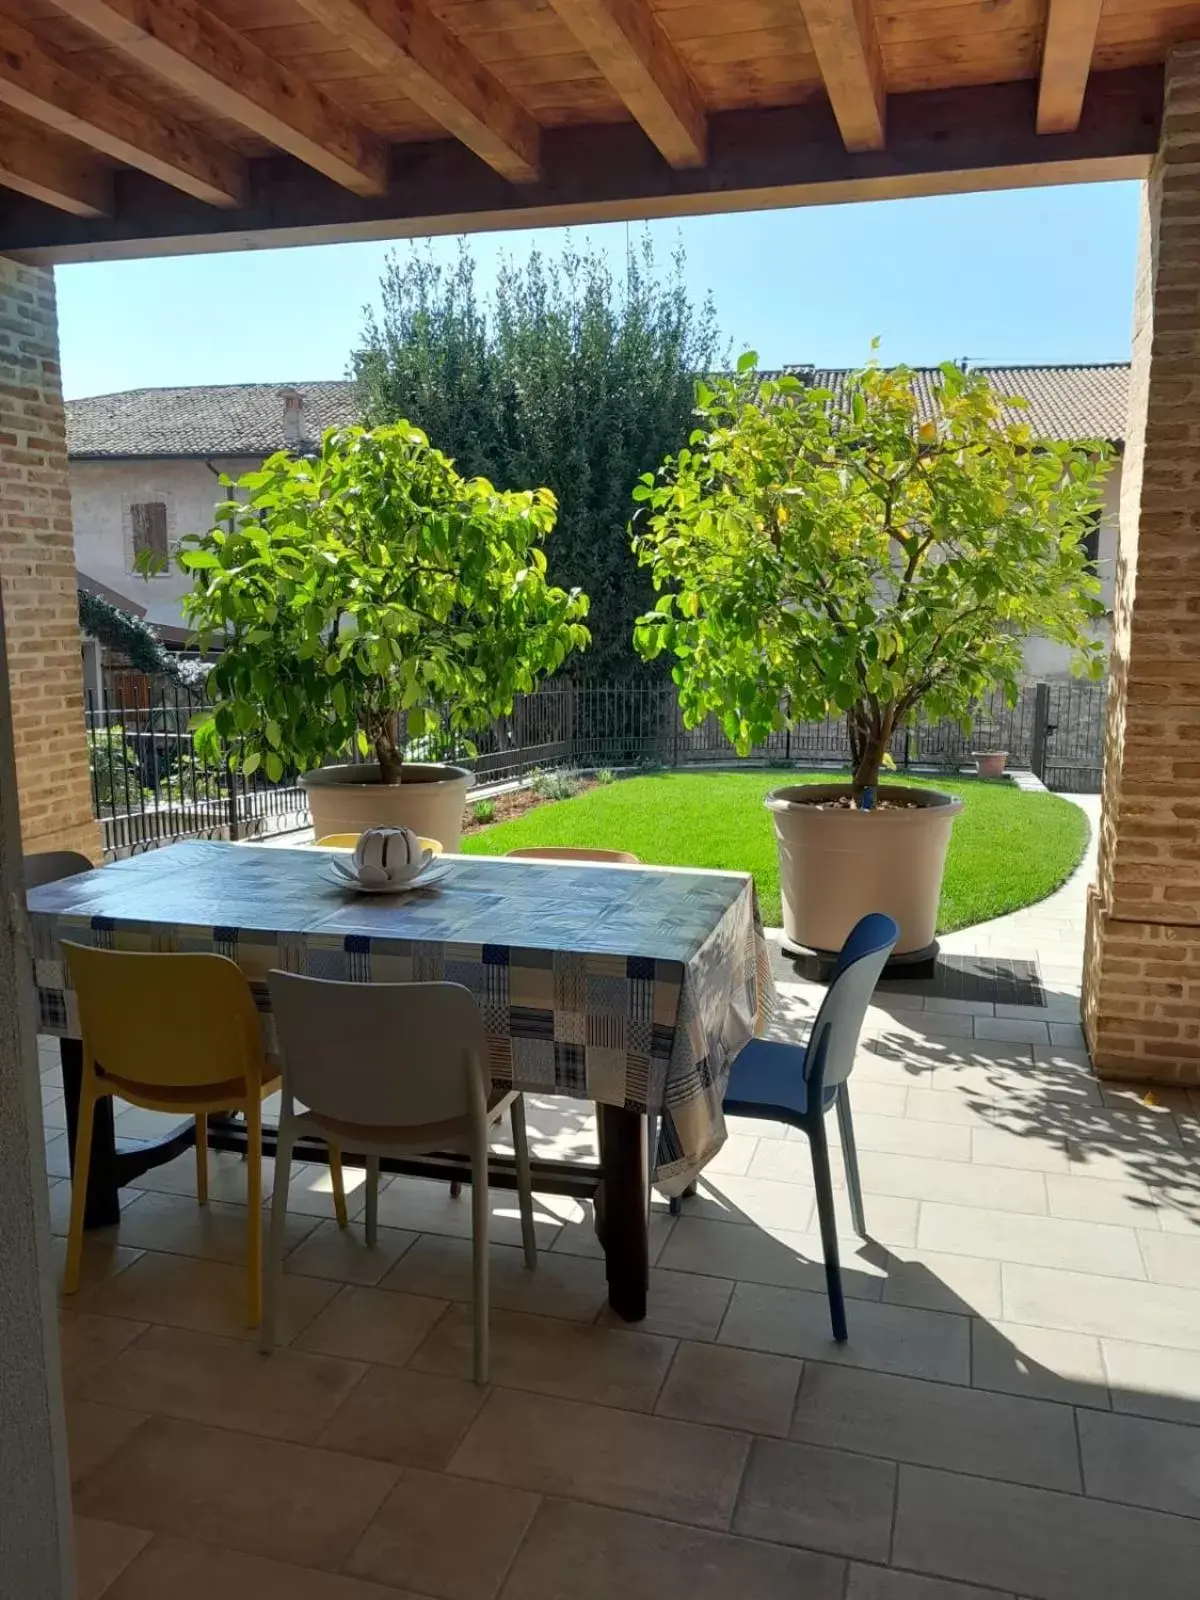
1017,1411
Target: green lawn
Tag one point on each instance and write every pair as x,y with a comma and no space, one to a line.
1007,850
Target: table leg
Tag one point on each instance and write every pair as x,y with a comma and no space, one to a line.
103,1208
621,1202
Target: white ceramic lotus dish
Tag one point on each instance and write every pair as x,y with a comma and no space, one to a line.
344,878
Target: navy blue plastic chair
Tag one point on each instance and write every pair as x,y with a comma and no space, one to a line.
798,1084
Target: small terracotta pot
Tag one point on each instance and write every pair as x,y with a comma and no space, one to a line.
837,865
348,799
990,763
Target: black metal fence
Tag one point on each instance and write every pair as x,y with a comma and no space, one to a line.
1055,729
149,786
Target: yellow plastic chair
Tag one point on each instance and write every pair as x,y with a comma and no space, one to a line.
347,841
561,852
172,1032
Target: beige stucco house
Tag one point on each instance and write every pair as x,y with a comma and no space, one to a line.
145,467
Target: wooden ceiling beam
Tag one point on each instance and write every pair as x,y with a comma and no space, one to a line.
626,41
53,170
212,62
40,86
405,40
1071,27
846,46
951,141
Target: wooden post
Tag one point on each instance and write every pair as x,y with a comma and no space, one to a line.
1041,730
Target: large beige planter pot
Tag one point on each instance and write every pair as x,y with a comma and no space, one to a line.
837,865
429,801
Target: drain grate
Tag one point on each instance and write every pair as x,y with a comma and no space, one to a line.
955,977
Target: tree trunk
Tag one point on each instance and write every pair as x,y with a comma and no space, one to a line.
870,736
386,753
867,768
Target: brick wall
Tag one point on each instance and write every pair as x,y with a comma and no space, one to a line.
37,572
1142,960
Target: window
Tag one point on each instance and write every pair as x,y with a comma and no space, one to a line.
1091,544
148,520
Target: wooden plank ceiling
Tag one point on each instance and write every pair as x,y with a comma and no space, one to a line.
317,118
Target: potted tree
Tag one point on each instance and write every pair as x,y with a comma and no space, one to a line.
364,598
864,554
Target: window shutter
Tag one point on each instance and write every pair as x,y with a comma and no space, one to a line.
149,520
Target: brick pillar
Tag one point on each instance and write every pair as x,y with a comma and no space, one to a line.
37,571
1141,996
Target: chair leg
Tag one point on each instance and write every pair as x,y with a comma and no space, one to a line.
372,1201
202,1157
254,1219
279,1200
823,1183
850,1153
479,1249
79,1184
524,1181
338,1180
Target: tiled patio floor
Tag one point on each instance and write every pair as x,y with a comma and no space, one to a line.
1017,1411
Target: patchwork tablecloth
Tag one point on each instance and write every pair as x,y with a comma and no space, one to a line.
631,986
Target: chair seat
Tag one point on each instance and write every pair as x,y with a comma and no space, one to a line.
446,1138
768,1081
189,1097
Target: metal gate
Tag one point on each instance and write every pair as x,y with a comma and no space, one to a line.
1068,736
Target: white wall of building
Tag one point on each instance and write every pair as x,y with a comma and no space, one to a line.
1045,660
102,493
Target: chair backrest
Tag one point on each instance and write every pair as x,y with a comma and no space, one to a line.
396,1055
839,1022
51,865
170,1020
556,852
347,841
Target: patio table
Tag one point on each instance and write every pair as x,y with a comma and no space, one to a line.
632,987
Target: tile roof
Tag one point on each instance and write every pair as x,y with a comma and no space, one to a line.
246,419
1062,403
229,419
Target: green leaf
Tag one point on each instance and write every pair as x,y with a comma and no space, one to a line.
843,551
371,581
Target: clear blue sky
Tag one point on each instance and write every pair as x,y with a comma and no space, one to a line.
1035,275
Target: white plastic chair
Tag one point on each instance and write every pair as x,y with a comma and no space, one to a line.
391,1069
51,866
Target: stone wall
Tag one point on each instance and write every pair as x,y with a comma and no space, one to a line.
37,572
1142,960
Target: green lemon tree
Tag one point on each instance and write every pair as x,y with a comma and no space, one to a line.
360,595
860,554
